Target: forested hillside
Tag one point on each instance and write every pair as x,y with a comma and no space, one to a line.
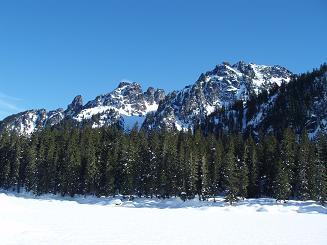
69,160
300,104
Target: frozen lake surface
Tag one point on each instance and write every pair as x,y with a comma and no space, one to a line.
25,219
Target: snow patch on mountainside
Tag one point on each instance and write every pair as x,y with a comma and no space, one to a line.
28,127
262,112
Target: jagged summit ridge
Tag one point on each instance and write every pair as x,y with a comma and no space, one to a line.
151,108
127,100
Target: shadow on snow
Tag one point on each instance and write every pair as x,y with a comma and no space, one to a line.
258,204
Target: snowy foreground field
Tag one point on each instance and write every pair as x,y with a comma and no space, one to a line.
54,220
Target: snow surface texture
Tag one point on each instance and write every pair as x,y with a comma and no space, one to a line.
25,219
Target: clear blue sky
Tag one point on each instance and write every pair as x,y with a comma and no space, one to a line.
52,50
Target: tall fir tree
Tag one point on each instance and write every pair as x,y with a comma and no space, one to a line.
243,178
230,174
288,152
251,160
282,187
321,168
268,159
30,169
301,188
218,162
5,150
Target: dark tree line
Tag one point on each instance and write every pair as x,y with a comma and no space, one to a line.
71,160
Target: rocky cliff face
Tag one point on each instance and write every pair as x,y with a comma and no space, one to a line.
221,87
26,123
127,100
75,107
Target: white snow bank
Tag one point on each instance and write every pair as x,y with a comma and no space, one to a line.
55,220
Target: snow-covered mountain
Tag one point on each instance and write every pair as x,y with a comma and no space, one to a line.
152,109
27,122
125,105
221,87
300,104
128,103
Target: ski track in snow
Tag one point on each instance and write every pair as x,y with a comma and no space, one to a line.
48,219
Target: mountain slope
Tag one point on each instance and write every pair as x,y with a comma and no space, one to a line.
125,105
215,89
128,100
301,104
27,122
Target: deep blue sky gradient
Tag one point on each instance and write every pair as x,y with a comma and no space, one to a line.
52,50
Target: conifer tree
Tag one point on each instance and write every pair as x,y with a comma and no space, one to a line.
88,162
192,178
173,173
22,166
4,158
155,146
123,160
73,162
109,170
230,174
243,178
282,187
190,170
321,168
197,173
287,152
206,181
42,169
251,161
301,188
218,161
209,170
15,159
30,169
268,160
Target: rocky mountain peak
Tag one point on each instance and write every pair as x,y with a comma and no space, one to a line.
127,100
123,84
214,89
126,86
154,96
75,107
